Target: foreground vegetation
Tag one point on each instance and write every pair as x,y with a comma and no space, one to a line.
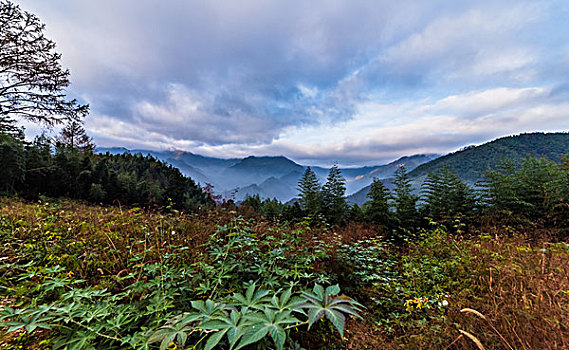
86,277
176,270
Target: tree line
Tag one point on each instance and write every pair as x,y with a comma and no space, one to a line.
68,167
534,189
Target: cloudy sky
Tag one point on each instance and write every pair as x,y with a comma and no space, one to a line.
353,82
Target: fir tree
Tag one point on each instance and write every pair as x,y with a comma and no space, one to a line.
73,136
376,210
310,197
333,196
405,201
446,195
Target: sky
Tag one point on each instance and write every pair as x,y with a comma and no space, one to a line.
321,82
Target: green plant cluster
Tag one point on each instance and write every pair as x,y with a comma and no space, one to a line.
242,288
406,290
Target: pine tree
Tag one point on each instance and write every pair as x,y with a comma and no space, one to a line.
405,201
333,196
376,210
310,197
73,136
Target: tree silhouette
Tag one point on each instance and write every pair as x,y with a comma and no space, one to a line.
73,136
32,81
376,210
405,200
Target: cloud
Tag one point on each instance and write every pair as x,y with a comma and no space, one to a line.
356,81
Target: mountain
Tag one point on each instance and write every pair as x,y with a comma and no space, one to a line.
255,170
269,177
471,162
356,179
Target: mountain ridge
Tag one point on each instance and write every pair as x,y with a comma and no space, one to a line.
267,176
471,162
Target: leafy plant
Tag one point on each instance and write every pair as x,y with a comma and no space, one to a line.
256,317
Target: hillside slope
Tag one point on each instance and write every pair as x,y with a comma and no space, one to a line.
470,163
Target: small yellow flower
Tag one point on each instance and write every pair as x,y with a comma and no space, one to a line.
70,274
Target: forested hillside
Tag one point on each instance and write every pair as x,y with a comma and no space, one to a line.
39,169
471,162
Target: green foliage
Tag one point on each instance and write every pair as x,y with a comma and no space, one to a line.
376,210
275,259
31,170
13,163
531,190
326,302
162,301
472,162
405,201
272,209
255,317
333,197
446,196
310,197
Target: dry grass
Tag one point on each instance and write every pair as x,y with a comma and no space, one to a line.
517,294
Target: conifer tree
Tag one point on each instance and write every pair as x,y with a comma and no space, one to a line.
333,196
32,81
405,200
310,197
13,163
73,136
376,210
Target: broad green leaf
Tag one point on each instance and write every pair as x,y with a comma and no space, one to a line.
253,334
314,315
214,339
337,319
279,336
318,291
333,290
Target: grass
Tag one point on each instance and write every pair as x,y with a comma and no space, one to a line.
496,291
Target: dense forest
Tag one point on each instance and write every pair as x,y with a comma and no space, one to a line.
105,252
55,168
471,162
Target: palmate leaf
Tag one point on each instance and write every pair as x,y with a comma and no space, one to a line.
338,320
287,301
324,302
30,324
251,299
253,334
175,332
233,326
271,322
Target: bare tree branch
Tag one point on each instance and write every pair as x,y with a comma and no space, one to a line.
32,81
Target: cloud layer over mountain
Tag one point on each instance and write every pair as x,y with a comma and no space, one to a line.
356,82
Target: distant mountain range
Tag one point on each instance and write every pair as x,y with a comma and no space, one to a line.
277,177
269,177
471,162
